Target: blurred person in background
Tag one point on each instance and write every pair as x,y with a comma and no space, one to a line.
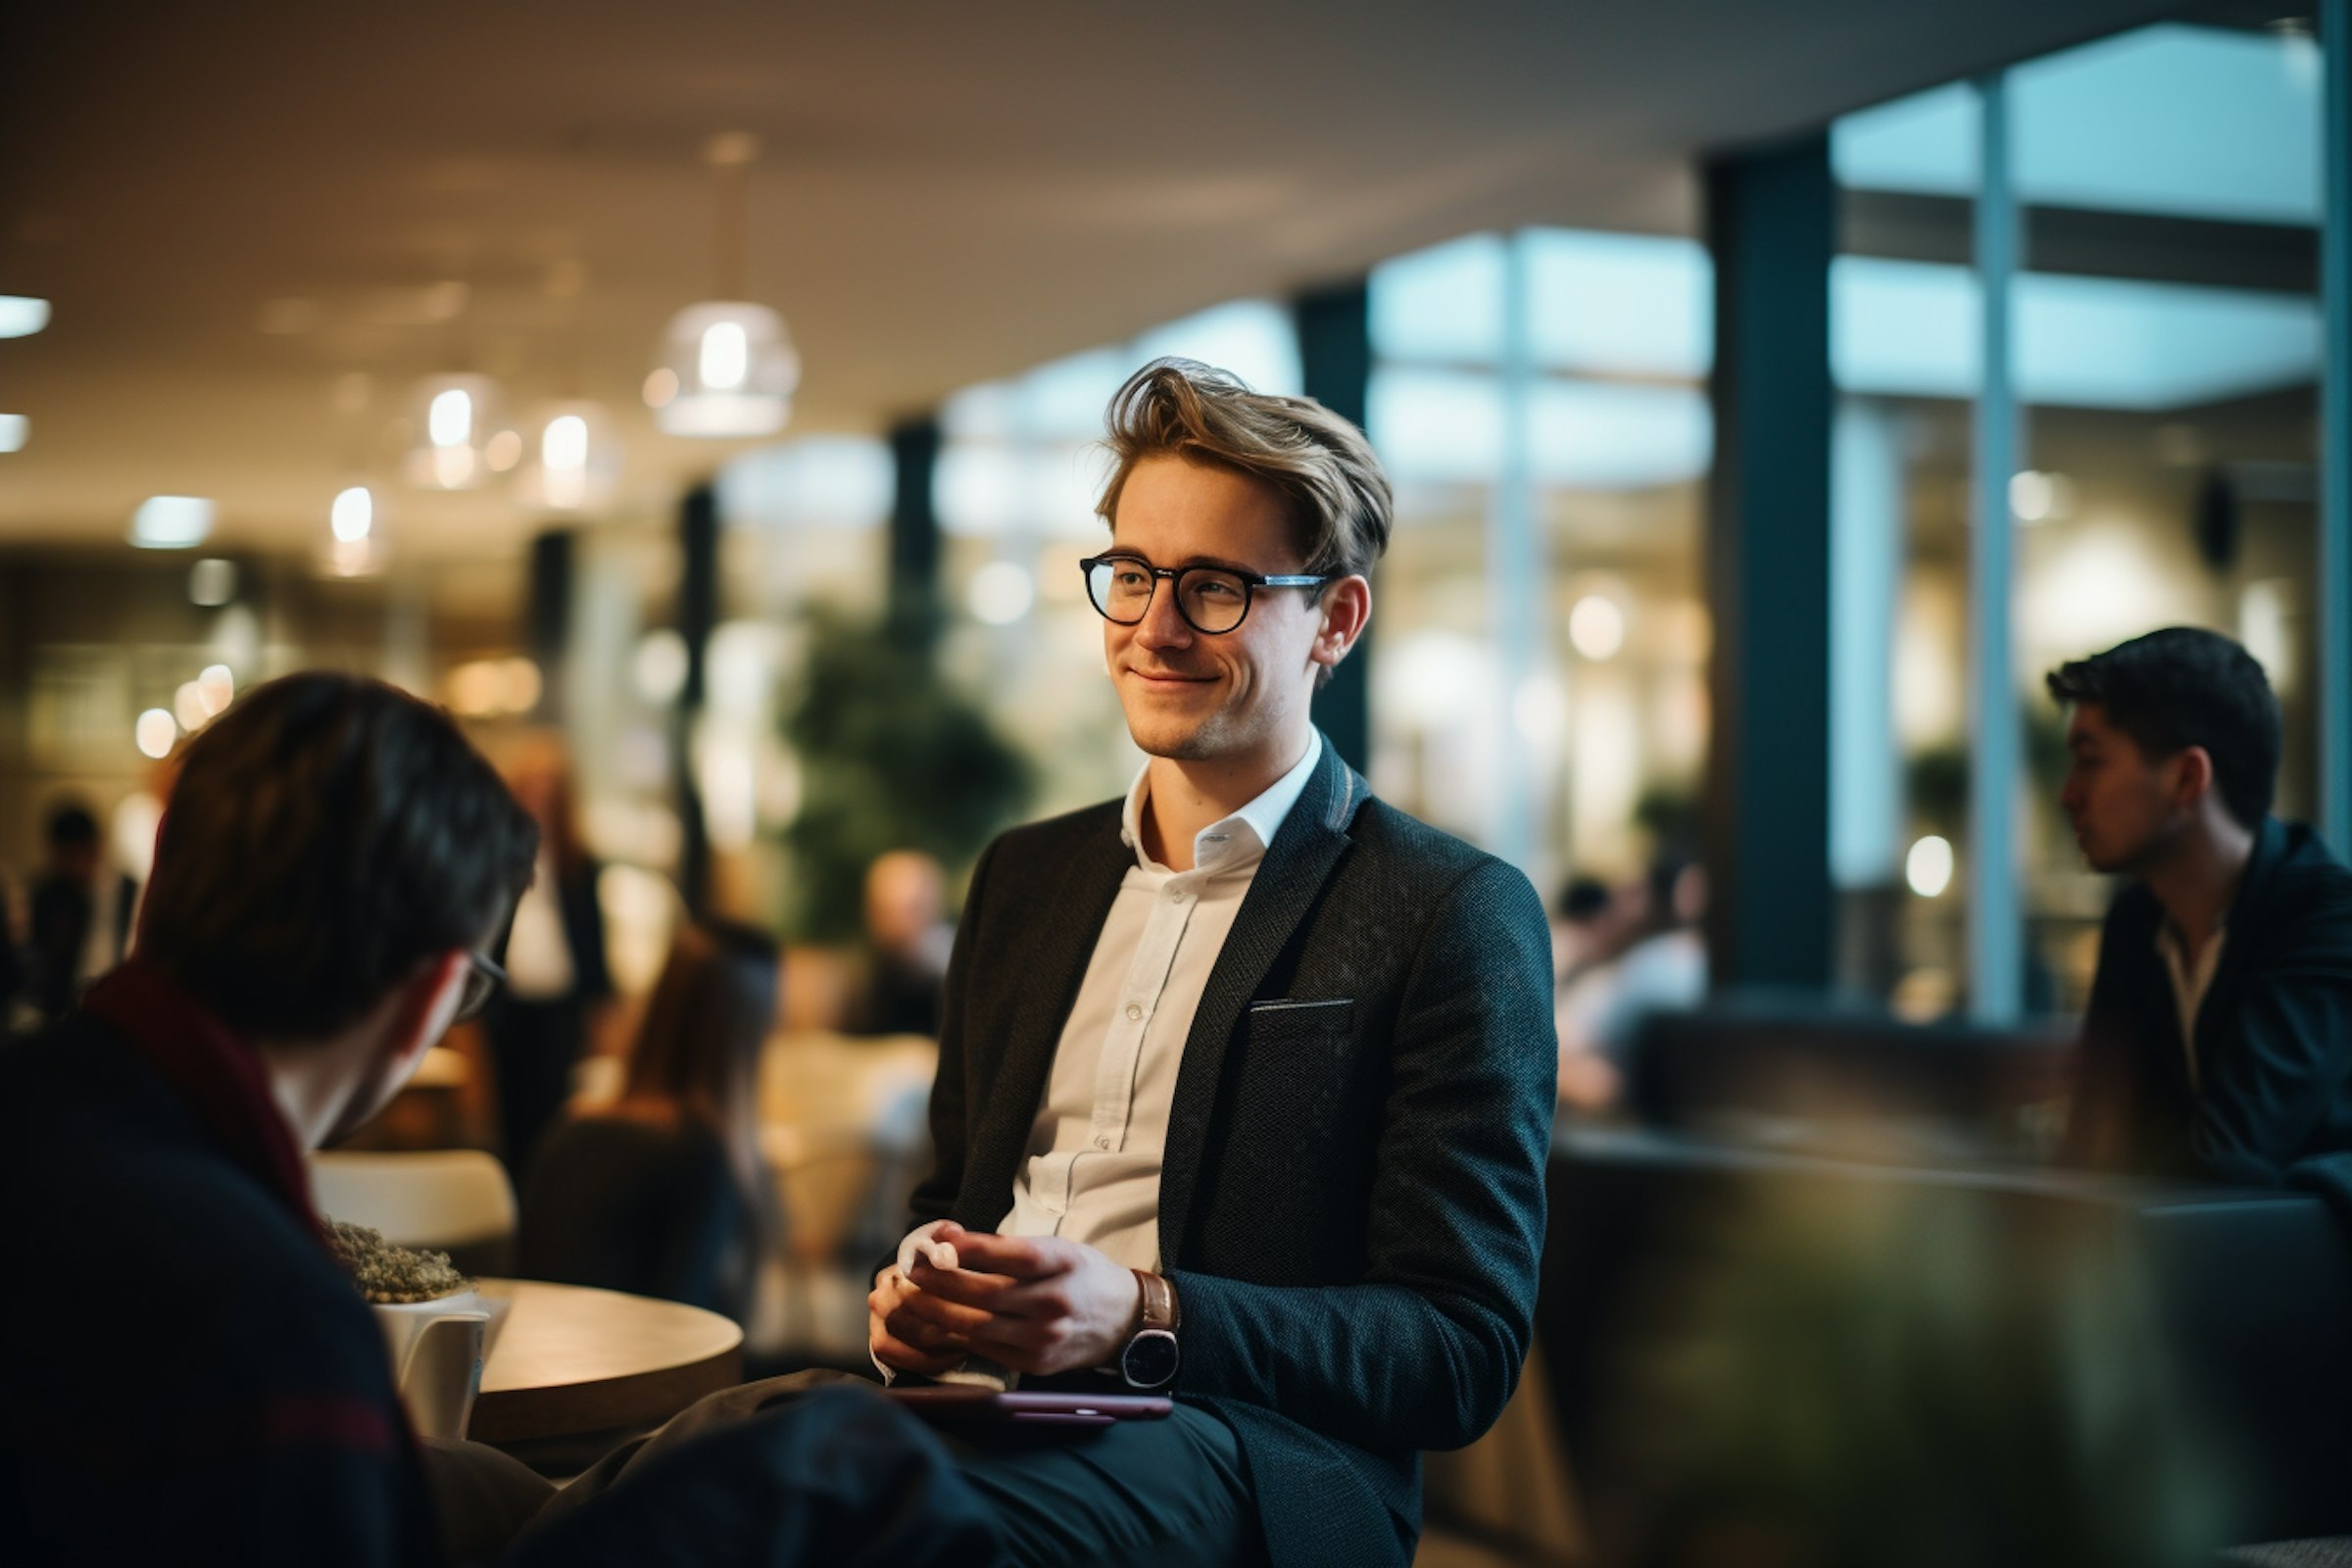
665,1191
1662,966
1588,931
2218,1039
907,941
80,913
559,984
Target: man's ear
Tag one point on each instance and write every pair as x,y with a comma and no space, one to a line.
1346,608
2195,780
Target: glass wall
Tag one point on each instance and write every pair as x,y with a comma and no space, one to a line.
1538,401
2167,353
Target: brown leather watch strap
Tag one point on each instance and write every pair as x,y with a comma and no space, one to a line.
1160,1301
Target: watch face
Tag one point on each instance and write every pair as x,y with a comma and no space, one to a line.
1151,1358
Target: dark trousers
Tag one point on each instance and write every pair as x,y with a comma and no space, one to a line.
860,1481
533,1047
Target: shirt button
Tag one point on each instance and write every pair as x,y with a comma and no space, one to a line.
1135,1009
1103,1141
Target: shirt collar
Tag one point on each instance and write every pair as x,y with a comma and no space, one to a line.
1239,839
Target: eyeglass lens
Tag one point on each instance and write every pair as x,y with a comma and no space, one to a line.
1211,601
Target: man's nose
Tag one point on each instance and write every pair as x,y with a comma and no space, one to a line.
1161,625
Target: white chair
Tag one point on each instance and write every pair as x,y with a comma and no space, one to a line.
455,1200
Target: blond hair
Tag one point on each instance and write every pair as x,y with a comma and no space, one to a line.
1330,482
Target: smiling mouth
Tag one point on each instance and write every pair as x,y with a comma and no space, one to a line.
1168,678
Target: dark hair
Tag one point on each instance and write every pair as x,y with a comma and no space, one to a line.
1584,898
696,1053
70,827
327,833
1320,464
2183,687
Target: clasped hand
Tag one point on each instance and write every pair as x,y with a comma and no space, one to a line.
1036,1303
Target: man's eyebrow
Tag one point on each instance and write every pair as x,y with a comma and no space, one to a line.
1220,562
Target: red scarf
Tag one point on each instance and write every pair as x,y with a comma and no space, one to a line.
216,1075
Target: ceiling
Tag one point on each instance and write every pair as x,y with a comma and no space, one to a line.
248,216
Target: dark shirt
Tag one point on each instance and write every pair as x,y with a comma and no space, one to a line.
2272,1099
627,1205
187,1377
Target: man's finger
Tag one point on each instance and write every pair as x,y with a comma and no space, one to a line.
1020,1256
905,1325
961,1285
904,1358
941,1312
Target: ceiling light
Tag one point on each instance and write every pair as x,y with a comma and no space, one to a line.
155,732
215,689
575,461
728,367
352,515
735,369
172,522
20,316
458,415
14,429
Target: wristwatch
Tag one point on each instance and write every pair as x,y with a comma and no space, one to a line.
1149,1360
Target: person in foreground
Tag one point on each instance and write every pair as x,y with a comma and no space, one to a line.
186,1375
2218,1041
1245,1081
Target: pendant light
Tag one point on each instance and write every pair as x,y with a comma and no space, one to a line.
728,368
356,508
572,458
455,418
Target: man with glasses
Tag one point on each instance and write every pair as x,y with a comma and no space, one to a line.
1245,1081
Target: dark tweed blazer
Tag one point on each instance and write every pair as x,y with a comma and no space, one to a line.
1351,1204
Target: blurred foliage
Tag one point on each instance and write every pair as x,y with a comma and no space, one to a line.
893,757
1939,776
1670,814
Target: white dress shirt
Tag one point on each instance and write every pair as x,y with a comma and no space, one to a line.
2190,982
1092,1172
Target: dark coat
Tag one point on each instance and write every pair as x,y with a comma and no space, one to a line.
1351,1202
188,1376
2274,1037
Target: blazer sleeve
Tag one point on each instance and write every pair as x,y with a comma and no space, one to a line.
1425,1352
2279,1063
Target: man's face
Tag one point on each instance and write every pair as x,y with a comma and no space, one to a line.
2124,807
1238,696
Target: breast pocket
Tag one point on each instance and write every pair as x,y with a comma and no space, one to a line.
1289,1019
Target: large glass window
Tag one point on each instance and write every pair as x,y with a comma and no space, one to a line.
2167,352
1539,667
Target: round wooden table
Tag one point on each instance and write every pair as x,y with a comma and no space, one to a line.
569,1360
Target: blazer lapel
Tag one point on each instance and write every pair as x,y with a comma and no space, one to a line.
1287,886
1058,943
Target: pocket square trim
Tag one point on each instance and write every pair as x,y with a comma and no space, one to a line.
1285,1005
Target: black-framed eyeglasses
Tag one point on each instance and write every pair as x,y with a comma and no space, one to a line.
483,976
1212,600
